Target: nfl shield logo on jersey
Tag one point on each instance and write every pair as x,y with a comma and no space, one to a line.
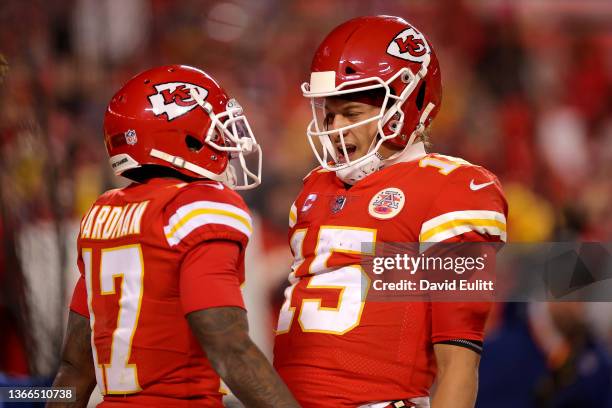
387,203
338,204
130,137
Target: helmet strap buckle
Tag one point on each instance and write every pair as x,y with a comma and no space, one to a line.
178,162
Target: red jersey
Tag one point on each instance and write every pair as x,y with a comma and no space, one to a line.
333,348
141,253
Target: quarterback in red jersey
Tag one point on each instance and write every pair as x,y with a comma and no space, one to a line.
375,87
157,314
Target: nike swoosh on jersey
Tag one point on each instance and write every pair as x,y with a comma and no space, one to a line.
476,187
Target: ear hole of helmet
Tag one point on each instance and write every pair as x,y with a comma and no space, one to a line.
421,96
406,78
193,144
349,70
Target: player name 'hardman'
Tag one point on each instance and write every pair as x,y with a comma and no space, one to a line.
113,221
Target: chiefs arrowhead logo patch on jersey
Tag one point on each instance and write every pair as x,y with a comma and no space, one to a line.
175,98
410,45
387,203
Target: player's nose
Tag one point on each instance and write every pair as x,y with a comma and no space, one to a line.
336,139
338,121
336,124
334,121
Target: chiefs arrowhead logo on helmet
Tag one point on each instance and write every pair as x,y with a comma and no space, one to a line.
410,45
175,98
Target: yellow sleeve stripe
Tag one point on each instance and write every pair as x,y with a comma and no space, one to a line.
292,216
195,213
223,389
455,223
191,216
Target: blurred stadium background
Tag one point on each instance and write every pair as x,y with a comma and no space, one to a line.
527,94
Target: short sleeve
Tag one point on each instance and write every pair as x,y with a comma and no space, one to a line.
78,304
463,320
471,208
204,211
472,201
211,276
458,321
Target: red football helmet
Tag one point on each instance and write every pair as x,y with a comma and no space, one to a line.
178,117
375,53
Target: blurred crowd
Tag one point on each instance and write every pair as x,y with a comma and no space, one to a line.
527,93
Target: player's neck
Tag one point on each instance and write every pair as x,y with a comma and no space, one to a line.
413,152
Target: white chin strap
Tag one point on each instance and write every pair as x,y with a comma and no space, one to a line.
359,171
354,173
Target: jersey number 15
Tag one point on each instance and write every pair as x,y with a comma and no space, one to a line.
349,281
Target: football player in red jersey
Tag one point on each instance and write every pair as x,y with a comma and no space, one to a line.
374,88
157,314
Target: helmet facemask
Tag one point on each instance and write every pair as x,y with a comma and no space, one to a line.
389,119
231,132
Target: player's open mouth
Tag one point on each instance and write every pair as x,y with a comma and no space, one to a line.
350,149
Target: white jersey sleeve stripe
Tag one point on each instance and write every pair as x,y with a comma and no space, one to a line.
191,216
462,229
204,219
456,223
